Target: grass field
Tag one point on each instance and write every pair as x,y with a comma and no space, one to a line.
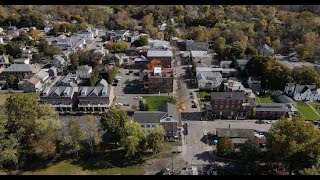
316,106
155,101
264,100
67,168
3,97
307,112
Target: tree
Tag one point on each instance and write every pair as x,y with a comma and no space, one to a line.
182,94
234,64
306,75
30,127
219,44
250,150
112,74
13,49
92,135
154,63
225,147
36,58
104,38
294,144
12,82
75,136
114,122
35,34
132,135
74,61
142,41
94,78
147,21
251,51
155,138
314,170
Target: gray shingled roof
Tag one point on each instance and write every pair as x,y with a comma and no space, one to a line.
88,90
84,68
198,46
159,53
23,68
272,107
171,109
148,116
49,91
228,95
235,133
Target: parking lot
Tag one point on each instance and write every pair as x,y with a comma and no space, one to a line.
198,152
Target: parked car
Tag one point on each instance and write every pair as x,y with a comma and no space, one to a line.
183,107
114,84
165,171
126,104
192,97
130,71
138,97
191,93
193,101
269,122
260,122
194,106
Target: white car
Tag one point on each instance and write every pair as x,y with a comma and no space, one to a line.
269,122
120,104
138,97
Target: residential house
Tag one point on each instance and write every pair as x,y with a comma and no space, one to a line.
225,72
242,63
232,85
208,80
157,80
43,76
104,69
272,110
21,70
70,80
2,84
27,53
102,83
4,60
21,61
302,92
133,37
96,99
237,136
254,83
53,72
120,35
199,56
196,46
167,116
293,57
159,44
230,105
62,98
32,84
84,72
266,50
140,62
165,56
58,61
86,35
118,59
47,29
280,97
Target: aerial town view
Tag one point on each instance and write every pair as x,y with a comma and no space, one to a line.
159,90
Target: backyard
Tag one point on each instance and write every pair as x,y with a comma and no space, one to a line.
316,106
203,94
307,111
264,100
154,102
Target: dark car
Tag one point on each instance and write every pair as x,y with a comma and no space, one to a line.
260,122
114,84
126,104
191,93
165,171
130,71
194,106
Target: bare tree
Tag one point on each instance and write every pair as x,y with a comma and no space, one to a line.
182,94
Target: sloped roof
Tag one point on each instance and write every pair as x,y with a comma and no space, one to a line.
84,68
171,109
235,133
228,95
148,116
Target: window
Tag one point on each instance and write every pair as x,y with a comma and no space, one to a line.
221,106
148,126
142,126
227,102
227,106
166,124
233,102
153,125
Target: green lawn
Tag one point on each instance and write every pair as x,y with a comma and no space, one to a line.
307,112
67,168
3,97
316,106
155,101
264,100
202,94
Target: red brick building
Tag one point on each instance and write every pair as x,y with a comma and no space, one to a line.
157,80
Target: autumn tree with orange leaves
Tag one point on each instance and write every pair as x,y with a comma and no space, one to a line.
154,63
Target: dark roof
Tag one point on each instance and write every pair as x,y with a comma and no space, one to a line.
148,116
285,99
228,95
279,107
235,133
171,109
303,88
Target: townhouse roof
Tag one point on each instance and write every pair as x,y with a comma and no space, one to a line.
279,107
61,91
85,91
